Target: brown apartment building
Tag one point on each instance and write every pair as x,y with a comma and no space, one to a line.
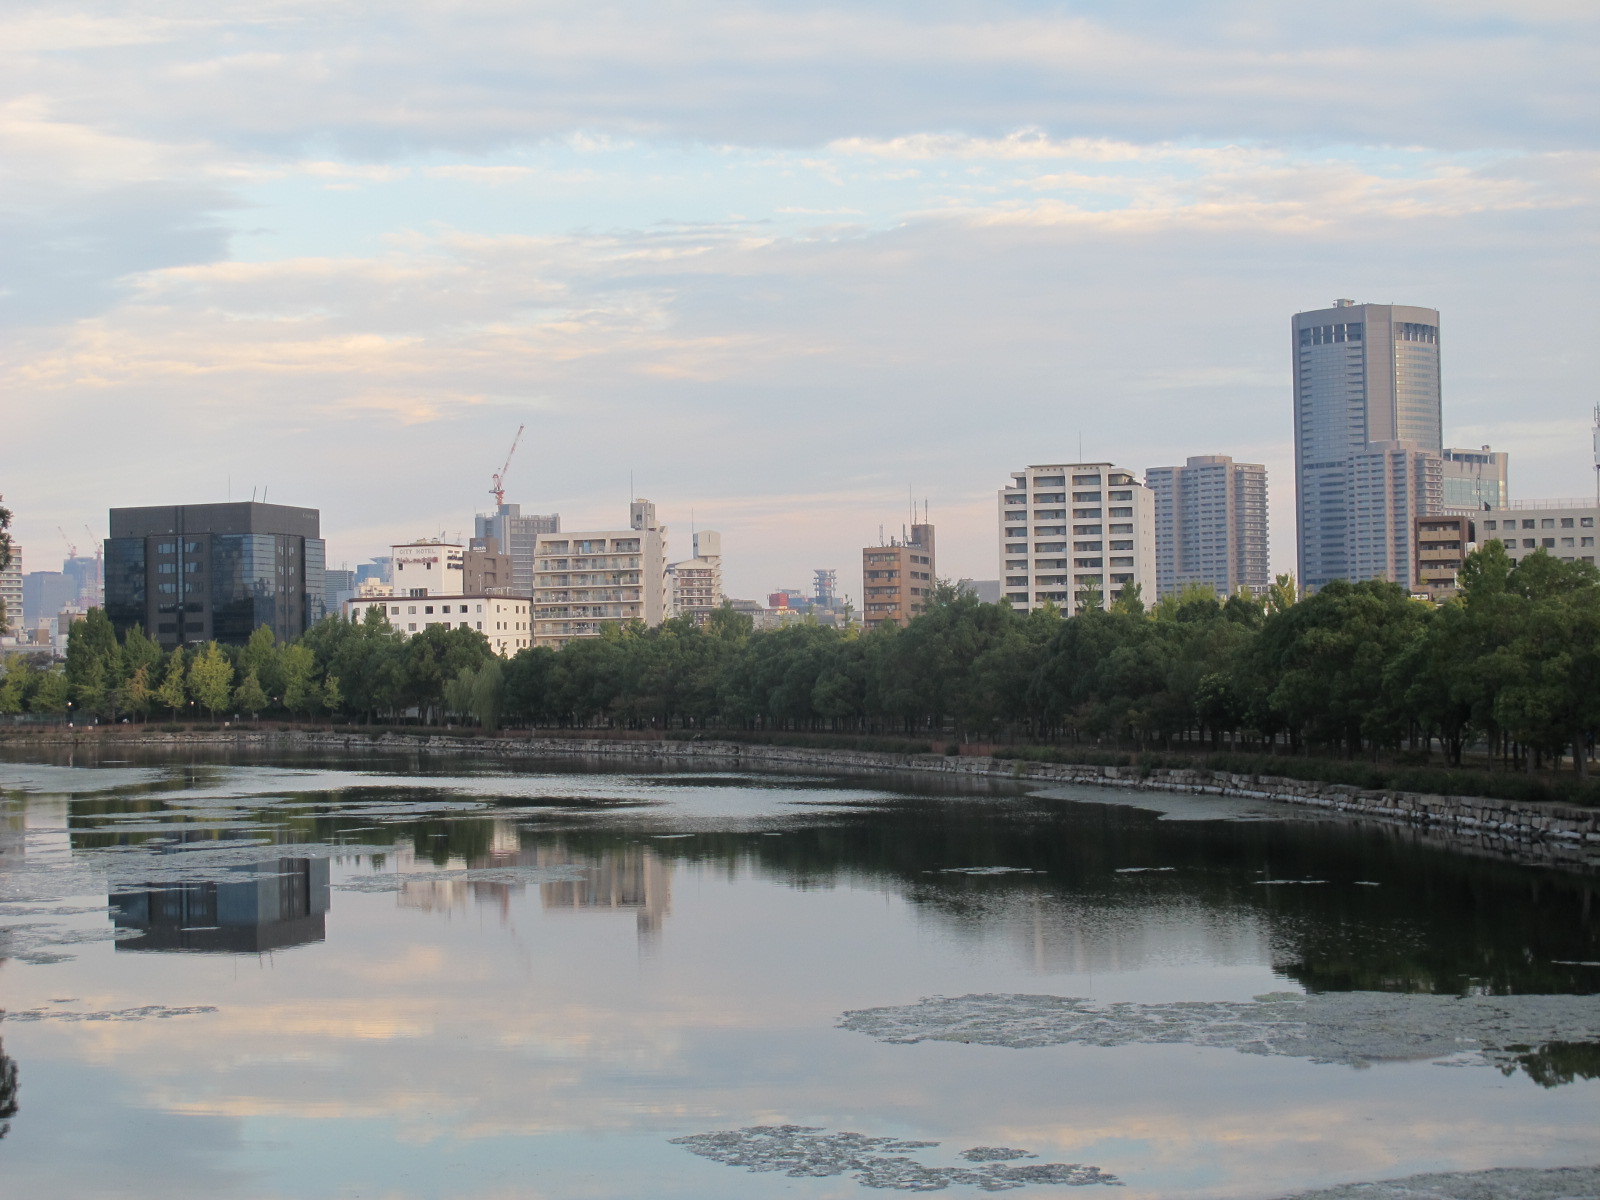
897,579
1442,544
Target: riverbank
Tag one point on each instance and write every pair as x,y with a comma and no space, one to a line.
1546,833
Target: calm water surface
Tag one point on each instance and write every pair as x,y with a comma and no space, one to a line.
420,977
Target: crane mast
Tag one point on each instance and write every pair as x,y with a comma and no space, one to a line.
498,489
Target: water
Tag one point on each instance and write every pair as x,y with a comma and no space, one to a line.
425,977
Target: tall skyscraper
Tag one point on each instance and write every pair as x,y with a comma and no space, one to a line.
1364,373
1074,529
203,572
1211,525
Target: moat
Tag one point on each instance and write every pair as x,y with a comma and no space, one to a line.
424,976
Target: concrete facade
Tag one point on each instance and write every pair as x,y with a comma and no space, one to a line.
897,579
11,609
428,567
1069,528
584,582
1563,528
695,584
1363,374
1442,544
504,620
1211,525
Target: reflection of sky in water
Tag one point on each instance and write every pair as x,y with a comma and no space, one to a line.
520,984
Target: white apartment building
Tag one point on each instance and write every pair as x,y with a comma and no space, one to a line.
505,620
1068,526
1563,528
428,568
583,582
1211,525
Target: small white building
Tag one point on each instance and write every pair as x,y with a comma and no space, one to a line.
695,584
428,568
505,620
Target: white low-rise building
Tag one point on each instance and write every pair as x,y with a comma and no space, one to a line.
428,568
505,620
1563,528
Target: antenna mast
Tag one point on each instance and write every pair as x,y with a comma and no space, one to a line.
498,489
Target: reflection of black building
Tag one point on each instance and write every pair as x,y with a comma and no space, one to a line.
203,572
274,904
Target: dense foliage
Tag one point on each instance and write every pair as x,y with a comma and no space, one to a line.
1512,664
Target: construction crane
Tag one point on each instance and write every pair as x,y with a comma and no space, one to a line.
498,490
72,548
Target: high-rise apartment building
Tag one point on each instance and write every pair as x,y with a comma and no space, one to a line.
1070,530
695,584
11,612
586,581
897,579
215,572
1210,525
516,535
1363,373
1474,480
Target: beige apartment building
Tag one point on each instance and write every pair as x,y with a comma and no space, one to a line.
695,584
583,582
1070,528
897,578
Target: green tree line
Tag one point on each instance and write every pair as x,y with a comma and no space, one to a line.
1513,663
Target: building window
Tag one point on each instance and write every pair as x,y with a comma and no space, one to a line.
1566,522
1550,542
412,627
428,609
1529,543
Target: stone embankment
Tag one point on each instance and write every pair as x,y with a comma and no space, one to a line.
1544,832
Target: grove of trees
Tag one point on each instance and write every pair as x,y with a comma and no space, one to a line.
1512,665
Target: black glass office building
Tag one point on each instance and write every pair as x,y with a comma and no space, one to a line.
215,572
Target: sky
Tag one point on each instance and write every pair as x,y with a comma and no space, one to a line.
786,267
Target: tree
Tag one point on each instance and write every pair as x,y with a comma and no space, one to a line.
211,679
137,696
262,655
488,694
301,695
249,696
51,692
171,694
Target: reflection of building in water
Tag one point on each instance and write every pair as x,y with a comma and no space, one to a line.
633,878
13,837
274,904
1080,935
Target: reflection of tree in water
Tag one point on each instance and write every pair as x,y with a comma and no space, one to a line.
8,1092
1556,1063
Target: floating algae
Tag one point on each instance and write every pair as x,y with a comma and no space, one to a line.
1354,1028
1502,1183
143,1013
804,1151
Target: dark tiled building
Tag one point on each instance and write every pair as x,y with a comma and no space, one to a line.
203,572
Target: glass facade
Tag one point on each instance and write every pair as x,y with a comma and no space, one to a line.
215,572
